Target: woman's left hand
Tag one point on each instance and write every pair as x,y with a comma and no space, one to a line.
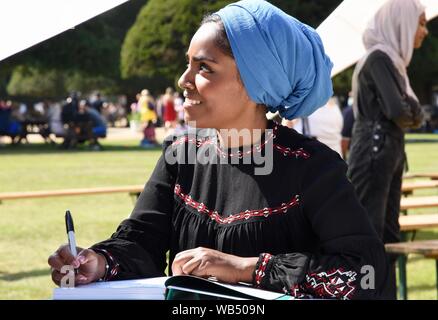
204,262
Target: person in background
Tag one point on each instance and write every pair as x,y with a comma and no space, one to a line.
149,140
384,106
146,105
9,124
325,125
98,103
169,114
181,128
98,128
89,126
134,107
69,113
347,130
55,124
179,108
70,109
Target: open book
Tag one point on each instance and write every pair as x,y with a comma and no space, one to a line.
176,287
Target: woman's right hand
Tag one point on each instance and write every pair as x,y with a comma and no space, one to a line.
89,264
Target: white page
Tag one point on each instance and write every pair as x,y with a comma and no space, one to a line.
151,289
261,294
136,283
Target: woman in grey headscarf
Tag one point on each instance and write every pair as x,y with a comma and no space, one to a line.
384,107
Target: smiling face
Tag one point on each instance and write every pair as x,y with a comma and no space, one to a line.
214,95
422,31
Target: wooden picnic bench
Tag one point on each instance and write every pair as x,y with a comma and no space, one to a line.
412,223
426,248
418,202
133,190
418,221
429,175
409,187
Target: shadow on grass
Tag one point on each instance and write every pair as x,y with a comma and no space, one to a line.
22,275
422,287
41,148
411,140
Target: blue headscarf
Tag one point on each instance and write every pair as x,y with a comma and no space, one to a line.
281,61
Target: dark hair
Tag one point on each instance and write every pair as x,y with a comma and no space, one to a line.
221,40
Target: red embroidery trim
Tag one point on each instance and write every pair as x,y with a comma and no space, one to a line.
335,283
296,291
260,272
214,215
286,151
208,141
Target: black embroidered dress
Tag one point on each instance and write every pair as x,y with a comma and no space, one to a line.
302,220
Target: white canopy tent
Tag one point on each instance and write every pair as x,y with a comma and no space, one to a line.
24,23
342,31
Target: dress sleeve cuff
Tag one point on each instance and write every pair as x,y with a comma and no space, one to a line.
262,268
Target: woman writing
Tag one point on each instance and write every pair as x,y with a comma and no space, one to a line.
298,228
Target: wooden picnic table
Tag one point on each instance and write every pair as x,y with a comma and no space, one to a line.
428,175
35,126
414,223
409,187
418,202
418,222
427,248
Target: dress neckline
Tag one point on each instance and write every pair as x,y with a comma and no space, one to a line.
268,135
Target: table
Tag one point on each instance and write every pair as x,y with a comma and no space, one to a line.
427,248
409,187
40,127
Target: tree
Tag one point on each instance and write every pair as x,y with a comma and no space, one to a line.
156,43
86,84
5,74
423,69
155,46
35,83
90,53
311,12
342,82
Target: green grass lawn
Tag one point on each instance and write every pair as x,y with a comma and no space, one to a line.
30,230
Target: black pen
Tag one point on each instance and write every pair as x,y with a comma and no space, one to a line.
70,233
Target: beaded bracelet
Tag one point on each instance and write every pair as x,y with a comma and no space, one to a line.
111,266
